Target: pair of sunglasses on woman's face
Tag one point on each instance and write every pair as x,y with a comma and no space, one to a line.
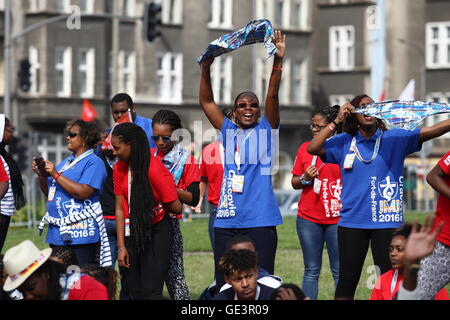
165,139
72,134
243,105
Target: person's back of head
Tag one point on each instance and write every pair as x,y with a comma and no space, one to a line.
288,291
105,275
63,255
240,241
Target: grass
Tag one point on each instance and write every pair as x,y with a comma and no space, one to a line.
199,263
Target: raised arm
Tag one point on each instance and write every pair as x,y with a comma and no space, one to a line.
316,145
272,105
206,96
434,131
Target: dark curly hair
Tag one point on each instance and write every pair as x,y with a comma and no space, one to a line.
404,231
329,114
351,124
89,132
105,275
235,261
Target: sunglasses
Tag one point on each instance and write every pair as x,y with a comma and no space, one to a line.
243,105
164,138
72,134
316,127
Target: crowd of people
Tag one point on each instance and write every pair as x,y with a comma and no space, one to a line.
120,194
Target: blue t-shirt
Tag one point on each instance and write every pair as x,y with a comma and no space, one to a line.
256,206
90,171
372,194
146,125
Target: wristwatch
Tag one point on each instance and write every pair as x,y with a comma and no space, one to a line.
304,182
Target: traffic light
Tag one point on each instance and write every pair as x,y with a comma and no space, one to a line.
24,75
152,20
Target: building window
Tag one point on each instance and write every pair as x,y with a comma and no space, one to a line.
262,74
37,5
169,77
342,48
300,82
285,84
86,72
171,11
220,13
281,14
63,5
221,78
299,12
33,54
87,6
340,99
263,9
438,44
442,97
129,8
127,72
2,4
63,67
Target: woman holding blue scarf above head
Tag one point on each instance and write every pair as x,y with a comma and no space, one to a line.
73,190
247,202
186,174
371,161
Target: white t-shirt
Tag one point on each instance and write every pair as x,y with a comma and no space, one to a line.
7,203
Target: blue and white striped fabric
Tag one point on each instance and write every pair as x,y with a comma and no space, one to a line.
7,203
255,31
403,114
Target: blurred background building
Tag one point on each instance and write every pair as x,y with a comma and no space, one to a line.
332,56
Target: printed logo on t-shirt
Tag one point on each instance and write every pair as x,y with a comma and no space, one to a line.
227,207
82,229
447,161
332,204
386,199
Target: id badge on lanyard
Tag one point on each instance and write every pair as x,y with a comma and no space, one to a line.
51,193
237,185
349,160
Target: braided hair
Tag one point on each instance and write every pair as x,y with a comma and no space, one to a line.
14,174
141,199
167,117
351,124
329,114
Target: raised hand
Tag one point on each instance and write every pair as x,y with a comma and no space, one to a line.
279,40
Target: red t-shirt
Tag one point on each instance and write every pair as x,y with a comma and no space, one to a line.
320,208
211,168
443,204
191,173
87,288
3,175
382,290
163,187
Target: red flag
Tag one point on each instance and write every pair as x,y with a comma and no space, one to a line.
88,113
382,96
106,145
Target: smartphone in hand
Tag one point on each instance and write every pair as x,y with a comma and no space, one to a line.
41,166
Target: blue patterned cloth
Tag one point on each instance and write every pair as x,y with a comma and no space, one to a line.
403,114
255,31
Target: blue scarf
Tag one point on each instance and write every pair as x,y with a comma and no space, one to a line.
175,160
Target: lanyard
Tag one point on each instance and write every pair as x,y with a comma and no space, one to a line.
71,164
237,155
354,148
394,281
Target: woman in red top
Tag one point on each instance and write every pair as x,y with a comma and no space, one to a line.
435,272
318,208
148,234
387,285
186,174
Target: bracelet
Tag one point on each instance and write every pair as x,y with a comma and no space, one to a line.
334,122
331,128
304,182
278,68
120,249
57,175
415,266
